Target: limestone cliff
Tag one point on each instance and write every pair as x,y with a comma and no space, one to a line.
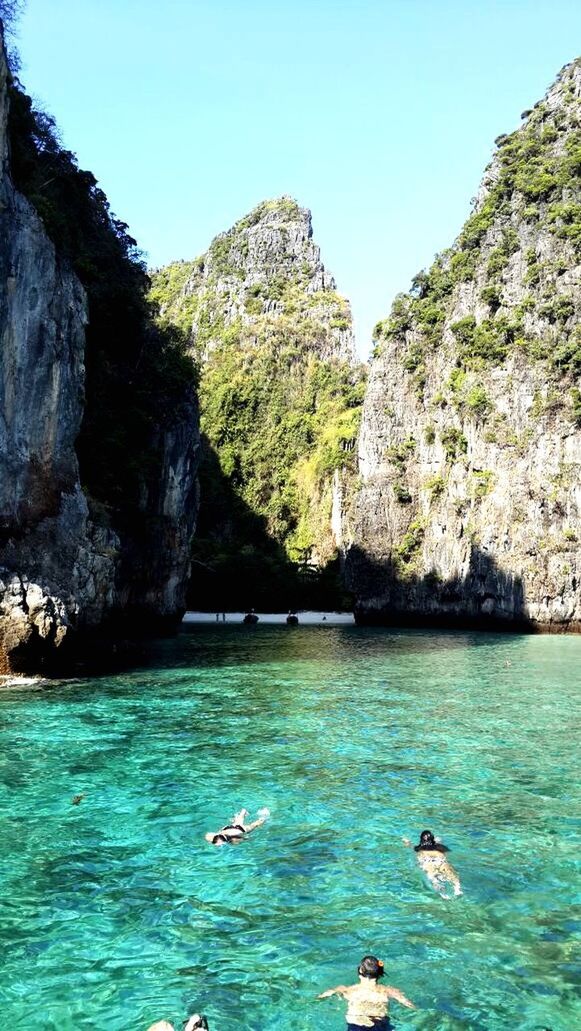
62,571
262,276
280,396
470,446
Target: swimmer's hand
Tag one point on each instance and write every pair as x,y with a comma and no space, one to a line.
264,813
407,842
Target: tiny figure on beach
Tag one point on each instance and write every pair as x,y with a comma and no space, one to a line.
250,618
77,799
192,1024
292,619
235,831
431,856
368,1001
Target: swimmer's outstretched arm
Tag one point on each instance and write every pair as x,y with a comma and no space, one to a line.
394,993
256,823
339,990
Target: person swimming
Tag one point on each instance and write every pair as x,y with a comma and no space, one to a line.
193,1023
233,832
368,1001
431,856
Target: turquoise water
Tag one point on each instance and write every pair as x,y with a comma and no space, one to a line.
115,912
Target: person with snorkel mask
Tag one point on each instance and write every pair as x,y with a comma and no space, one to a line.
368,1001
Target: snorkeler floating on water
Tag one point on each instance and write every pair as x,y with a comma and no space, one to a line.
193,1023
431,858
233,832
368,1001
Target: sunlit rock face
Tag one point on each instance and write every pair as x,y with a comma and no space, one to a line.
280,391
470,445
63,572
262,274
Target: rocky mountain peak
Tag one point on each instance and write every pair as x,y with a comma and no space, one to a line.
266,267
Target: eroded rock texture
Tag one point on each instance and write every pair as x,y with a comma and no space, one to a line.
53,564
263,271
470,445
62,572
280,392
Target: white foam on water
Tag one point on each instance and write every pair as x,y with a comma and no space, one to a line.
16,681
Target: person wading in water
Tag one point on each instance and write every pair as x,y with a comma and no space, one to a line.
368,1001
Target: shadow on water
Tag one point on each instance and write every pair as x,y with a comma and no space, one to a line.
238,564
211,647
485,598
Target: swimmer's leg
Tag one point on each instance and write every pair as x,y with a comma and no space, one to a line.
439,884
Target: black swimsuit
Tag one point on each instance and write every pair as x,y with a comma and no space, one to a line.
228,838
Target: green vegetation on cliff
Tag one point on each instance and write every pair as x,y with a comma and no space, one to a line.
280,397
533,188
282,421
138,374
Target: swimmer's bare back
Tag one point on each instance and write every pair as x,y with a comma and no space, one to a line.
440,873
367,1003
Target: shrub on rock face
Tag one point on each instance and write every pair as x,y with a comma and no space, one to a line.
454,443
492,329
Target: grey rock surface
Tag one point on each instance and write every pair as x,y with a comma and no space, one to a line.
62,572
55,568
263,270
470,446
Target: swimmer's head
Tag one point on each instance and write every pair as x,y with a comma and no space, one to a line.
215,839
195,1022
370,966
427,839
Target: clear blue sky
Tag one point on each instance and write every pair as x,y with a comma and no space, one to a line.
379,115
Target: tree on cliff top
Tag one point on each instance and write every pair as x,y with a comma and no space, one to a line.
10,11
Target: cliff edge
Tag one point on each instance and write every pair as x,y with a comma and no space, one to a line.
468,511
69,564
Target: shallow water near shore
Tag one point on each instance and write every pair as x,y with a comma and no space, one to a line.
115,912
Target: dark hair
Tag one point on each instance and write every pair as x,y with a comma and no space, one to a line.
427,840
201,1023
370,966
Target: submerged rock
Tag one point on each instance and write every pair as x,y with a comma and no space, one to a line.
470,445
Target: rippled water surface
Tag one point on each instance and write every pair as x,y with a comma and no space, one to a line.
115,912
